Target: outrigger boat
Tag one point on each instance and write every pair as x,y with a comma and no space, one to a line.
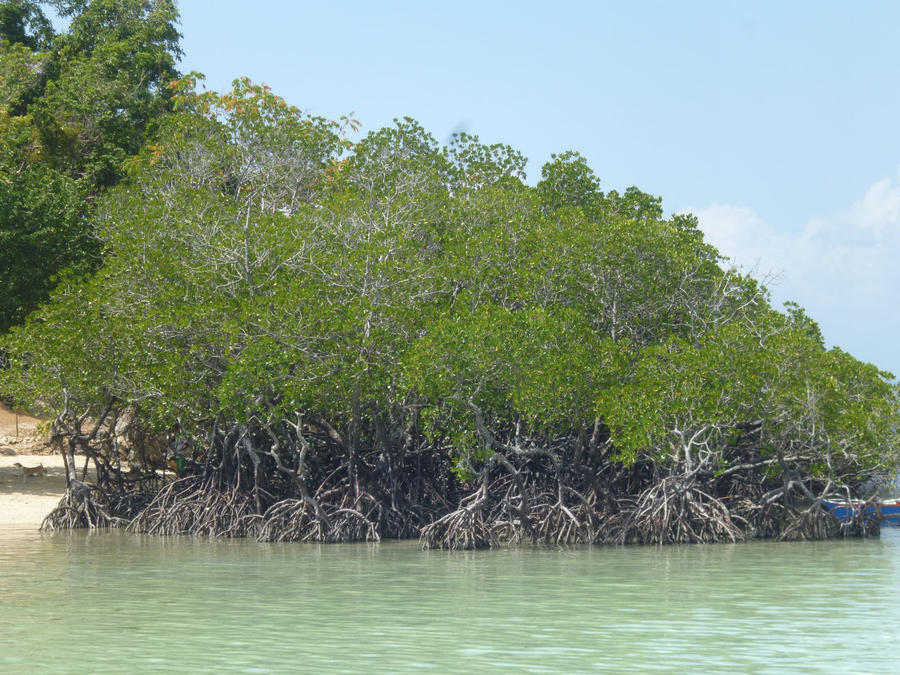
886,510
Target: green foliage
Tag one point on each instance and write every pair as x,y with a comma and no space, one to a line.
567,180
74,108
111,68
42,221
22,74
475,165
635,204
23,22
258,268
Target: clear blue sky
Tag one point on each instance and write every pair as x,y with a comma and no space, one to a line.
776,123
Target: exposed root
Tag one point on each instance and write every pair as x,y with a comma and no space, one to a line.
761,519
570,519
291,520
82,507
299,481
192,506
816,522
463,529
671,512
297,520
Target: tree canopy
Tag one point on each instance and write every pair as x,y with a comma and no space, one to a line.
74,108
393,337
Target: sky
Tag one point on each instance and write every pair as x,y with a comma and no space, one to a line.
777,124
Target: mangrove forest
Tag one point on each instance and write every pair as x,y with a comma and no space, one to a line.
273,331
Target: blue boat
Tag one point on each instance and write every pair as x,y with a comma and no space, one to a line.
887,510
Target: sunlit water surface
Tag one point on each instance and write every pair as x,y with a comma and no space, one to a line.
111,602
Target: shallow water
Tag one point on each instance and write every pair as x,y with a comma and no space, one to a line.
111,602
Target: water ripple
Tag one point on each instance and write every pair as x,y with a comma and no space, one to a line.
110,602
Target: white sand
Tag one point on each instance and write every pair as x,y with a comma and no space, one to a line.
25,501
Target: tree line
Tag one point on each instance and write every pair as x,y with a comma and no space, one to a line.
337,341
75,106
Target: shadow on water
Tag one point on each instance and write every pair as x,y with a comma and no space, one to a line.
107,601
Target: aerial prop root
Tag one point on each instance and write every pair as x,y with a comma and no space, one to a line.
816,522
760,517
674,512
81,507
463,529
301,520
565,517
195,506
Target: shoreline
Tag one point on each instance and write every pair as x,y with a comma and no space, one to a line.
25,502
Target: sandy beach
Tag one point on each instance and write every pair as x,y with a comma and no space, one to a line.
25,501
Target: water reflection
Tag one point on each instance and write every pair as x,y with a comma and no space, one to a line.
82,602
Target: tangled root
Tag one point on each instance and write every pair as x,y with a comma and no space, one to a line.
82,509
192,506
566,521
762,519
465,528
816,522
291,520
297,520
671,512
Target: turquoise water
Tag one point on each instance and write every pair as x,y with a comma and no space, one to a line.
111,602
